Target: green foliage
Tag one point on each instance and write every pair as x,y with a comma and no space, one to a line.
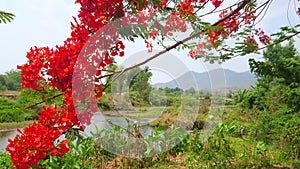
272,106
84,153
213,152
11,80
30,97
105,103
135,84
141,87
4,161
157,97
281,62
278,82
12,112
191,91
13,125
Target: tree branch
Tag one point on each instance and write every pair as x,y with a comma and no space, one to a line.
43,101
275,43
120,72
283,39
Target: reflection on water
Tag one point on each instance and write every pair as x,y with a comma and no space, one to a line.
4,138
98,121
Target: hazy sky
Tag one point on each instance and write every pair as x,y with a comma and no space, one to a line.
47,23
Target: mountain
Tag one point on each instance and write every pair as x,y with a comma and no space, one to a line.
214,79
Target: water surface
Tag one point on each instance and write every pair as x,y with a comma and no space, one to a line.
98,121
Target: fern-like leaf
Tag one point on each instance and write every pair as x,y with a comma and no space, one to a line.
6,17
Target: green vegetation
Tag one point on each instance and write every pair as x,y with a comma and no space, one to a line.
22,106
140,88
260,127
11,80
6,17
10,111
149,112
134,85
13,125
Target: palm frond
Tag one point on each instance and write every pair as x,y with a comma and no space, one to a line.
6,17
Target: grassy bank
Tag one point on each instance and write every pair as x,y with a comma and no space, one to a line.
148,112
14,125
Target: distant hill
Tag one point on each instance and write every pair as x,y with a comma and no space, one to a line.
214,79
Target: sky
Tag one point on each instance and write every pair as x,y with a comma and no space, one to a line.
47,23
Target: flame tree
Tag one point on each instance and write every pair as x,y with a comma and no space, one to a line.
236,23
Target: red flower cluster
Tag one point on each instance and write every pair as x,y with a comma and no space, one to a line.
227,26
263,38
174,24
34,144
249,15
153,34
185,8
251,41
199,51
53,118
148,45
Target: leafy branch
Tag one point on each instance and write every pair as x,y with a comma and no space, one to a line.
118,73
6,17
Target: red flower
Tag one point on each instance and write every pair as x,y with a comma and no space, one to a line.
216,3
33,145
153,34
185,8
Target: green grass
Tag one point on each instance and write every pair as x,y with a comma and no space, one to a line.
150,112
13,125
167,117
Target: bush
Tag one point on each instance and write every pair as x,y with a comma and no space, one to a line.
4,161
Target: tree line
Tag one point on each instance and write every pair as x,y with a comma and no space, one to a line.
10,80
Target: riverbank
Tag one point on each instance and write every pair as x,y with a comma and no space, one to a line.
9,126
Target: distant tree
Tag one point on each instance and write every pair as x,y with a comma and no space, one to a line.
3,82
135,83
280,62
278,78
140,84
191,91
121,84
11,80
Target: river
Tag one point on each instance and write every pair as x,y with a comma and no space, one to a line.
98,121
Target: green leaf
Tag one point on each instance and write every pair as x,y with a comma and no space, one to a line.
163,128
